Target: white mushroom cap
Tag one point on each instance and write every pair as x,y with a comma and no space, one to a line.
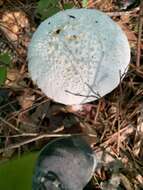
78,55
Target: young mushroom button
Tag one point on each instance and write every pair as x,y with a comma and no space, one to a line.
64,164
78,56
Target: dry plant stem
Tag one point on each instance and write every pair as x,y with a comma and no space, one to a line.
124,133
98,110
120,13
18,145
20,135
138,139
28,109
29,134
3,106
132,156
119,115
140,25
12,44
22,111
23,68
96,181
103,134
76,3
119,137
137,70
10,125
61,4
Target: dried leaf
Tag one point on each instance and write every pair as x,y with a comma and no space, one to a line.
12,23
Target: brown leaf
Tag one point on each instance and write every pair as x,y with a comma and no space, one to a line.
130,34
26,99
12,23
91,4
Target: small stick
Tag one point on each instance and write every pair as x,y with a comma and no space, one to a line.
124,133
18,145
20,135
139,35
22,111
119,115
10,125
98,110
120,13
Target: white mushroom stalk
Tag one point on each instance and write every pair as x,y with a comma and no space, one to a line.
78,56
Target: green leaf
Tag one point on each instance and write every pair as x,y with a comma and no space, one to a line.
49,12
3,72
47,7
68,5
84,3
16,174
5,58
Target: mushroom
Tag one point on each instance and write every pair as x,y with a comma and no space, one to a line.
78,56
64,164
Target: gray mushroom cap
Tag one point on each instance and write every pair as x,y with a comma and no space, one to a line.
78,55
65,163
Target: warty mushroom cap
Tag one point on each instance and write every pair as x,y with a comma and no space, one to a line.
78,55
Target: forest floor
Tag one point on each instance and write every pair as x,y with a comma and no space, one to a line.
28,119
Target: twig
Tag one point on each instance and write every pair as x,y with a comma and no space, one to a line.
77,3
61,4
119,135
119,115
12,43
120,13
18,145
124,133
7,104
20,135
138,139
22,111
139,35
98,110
81,95
10,125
